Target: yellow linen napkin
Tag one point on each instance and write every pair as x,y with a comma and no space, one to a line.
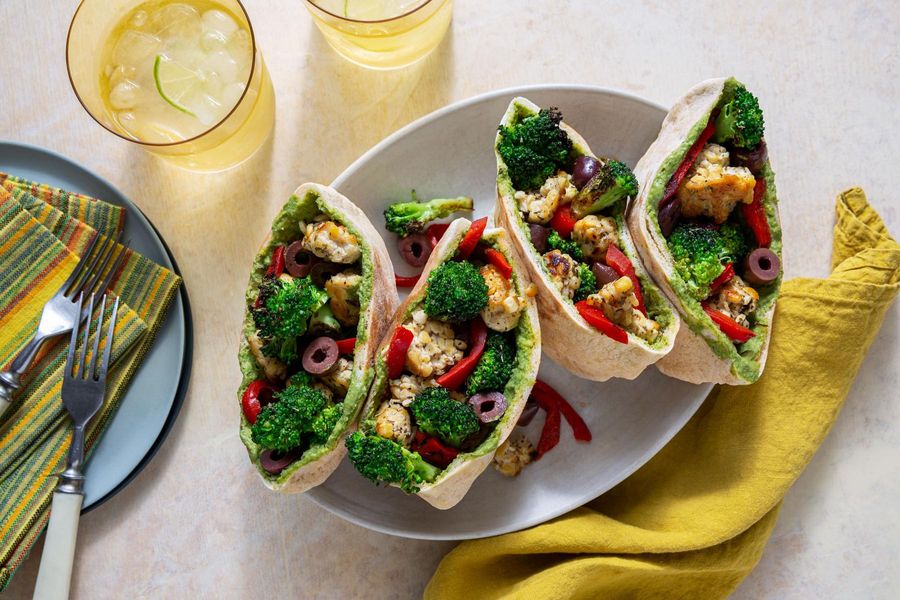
693,522
39,243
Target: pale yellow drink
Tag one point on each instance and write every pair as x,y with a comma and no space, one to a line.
182,78
382,34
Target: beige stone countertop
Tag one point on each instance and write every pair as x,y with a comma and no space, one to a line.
197,523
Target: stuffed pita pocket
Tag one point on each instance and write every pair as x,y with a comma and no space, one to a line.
564,209
454,371
321,294
706,225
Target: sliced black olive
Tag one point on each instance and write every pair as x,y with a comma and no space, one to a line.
539,235
321,354
584,169
297,261
489,406
322,272
531,409
415,249
604,273
274,462
761,267
668,216
754,159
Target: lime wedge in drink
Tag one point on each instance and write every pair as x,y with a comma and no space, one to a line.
174,82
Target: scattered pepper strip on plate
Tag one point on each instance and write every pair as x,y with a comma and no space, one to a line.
564,220
407,282
433,450
616,259
580,429
436,232
688,161
755,215
726,276
396,355
346,346
552,423
595,317
276,265
734,330
258,394
471,239
499,261
457,375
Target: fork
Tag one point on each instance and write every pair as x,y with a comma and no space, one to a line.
60,315
83,390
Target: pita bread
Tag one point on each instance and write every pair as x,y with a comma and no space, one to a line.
693,358
599,357
307,200
452,484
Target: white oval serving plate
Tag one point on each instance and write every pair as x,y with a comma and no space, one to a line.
449,153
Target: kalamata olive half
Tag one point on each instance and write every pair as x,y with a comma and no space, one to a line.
415,249
668,216
298,261
322,272
539,235
274,462
488,406
753,159
761,267
531,409
320,355
603,273
585,168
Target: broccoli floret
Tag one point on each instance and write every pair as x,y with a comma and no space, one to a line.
699,252
280,425
558,242
324,321
438,414
588,283
456,292
614,182
284,312
495,366
404,218
534,148
325,421
384,461
740,120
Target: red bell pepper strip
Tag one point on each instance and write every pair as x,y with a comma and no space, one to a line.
563,220
499,261
436,232
433,450
734,330
550,432
407,282
396,355
457,375
346,346
276,264
595,317
579,427
258,394
616,259
471,239
726,276
688,161
755,215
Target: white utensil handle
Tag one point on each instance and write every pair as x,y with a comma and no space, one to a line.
59,548
4,404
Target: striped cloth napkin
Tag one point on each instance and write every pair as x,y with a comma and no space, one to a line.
43,231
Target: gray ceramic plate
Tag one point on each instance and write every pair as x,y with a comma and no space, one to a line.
152,402
450,152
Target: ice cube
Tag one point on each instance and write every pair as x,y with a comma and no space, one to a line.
207,109
177,22
124,95
213,40
240,45
135,47
219,22
231,94
220,63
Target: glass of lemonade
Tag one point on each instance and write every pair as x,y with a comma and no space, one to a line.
182,78
382,34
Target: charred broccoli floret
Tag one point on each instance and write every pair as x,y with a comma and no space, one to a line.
588,283
534,148
740,120
384,461
325,421
700,251
456,292
285,307
612,183
495,366
438,414
558,242
404,218
281,425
